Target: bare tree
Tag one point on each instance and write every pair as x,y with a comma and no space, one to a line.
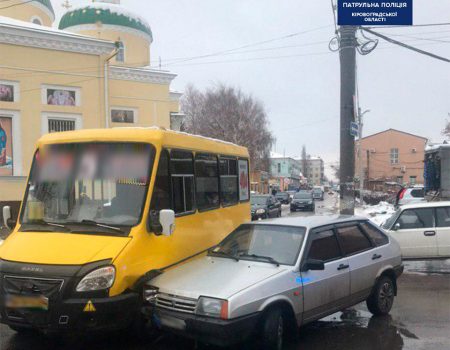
446,130
228,114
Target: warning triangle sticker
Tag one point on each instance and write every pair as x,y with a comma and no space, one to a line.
89,307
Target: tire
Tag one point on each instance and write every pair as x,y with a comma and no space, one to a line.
382,297
272,330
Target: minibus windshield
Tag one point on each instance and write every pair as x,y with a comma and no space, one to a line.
100,185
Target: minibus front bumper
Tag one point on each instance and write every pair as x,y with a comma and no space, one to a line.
61,308
208,330
94,314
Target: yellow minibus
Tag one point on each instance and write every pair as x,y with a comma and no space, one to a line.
104,207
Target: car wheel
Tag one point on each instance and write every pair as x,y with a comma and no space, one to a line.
273,325
382,298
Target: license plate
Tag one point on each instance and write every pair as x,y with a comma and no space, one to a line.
172,322
27,302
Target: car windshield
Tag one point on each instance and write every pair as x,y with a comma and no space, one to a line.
88,183
258,200
302,195
389,222
271,243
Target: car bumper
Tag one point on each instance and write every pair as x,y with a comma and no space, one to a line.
258,216
72,315
301,206
205,329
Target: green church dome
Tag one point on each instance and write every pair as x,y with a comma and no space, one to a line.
106,14
47,4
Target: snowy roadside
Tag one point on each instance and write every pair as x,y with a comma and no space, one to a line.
376,213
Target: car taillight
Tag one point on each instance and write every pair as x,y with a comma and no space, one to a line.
402,193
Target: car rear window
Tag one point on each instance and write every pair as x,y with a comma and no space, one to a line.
378,237
353,240
418,193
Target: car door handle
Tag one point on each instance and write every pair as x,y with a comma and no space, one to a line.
429,233
343,267
376,256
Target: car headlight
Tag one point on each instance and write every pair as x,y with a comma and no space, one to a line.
102,278
150,293
260,211
213,307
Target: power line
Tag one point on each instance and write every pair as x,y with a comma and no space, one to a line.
288,36
411,26
13,5
396,42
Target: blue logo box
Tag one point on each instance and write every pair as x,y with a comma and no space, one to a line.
375,12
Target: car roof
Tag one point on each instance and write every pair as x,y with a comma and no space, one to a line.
426,205
311,221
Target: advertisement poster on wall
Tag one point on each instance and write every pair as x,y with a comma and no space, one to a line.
6,92
243,181
60,97
6,157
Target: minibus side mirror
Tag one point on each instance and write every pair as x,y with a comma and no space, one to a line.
167,221
6,216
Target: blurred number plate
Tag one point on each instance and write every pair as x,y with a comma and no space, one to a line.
27,302
172,322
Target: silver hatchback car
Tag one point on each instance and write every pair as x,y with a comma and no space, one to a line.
269,278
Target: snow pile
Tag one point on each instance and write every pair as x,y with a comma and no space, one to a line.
377,213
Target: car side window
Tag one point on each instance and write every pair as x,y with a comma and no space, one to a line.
416,218
353,240
378,237
443,217
324,246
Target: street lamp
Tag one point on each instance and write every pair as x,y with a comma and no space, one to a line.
361,171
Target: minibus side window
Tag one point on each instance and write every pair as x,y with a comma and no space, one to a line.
161,191
207,181
228,181
182,176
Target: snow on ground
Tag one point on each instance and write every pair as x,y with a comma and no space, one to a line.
377,213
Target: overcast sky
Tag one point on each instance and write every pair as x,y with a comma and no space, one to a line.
403,89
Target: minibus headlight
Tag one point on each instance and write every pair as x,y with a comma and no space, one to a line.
213,307
260,211
99,279
150,293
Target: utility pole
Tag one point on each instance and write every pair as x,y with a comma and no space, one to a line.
360,154
368,167
347,54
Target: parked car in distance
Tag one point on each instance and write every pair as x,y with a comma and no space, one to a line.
303,200
318,193
283,197
269,278
410,195
422,230
264,207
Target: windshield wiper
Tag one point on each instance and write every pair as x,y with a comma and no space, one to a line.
268,258
47,223
95,223
86,222
221,253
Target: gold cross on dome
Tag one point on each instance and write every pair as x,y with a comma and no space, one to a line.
66,5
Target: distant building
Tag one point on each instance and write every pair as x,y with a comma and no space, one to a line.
285,172
259,182
315,171
391,156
